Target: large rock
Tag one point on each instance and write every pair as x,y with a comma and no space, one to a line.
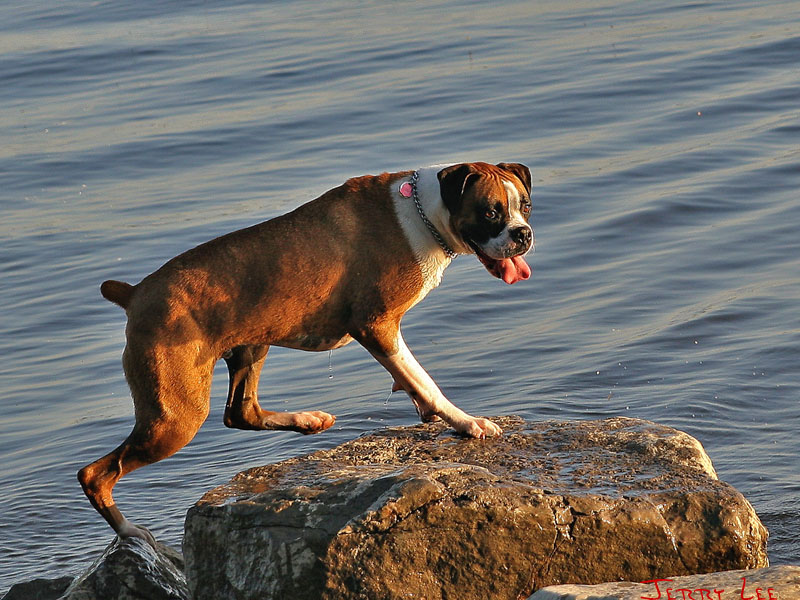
420,513
38,589
132,570
772,583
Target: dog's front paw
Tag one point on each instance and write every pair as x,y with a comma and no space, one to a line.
312,421
480,428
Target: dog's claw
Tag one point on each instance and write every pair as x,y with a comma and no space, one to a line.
429,418
426,414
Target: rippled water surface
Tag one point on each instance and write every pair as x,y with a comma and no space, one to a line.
664,142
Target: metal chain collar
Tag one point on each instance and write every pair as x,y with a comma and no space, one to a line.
431,227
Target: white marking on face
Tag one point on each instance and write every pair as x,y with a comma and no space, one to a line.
516,218
503,245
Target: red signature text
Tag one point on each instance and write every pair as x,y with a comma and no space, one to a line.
666,592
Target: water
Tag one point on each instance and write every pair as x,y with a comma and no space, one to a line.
663,138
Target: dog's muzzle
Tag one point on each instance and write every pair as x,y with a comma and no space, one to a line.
522,236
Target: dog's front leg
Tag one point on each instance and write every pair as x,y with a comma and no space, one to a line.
391,351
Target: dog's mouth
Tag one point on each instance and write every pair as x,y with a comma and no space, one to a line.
511,270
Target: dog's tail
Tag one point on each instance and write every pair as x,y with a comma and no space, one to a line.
118,292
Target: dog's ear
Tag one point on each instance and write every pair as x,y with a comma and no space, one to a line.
522,172
453,182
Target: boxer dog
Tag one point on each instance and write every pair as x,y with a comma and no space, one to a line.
343,267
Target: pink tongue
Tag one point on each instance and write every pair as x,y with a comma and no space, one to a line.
514,269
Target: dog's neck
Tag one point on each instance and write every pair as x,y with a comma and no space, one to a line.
438,224
407,189
431,257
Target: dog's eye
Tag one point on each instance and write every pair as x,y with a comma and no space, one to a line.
526,206
490,214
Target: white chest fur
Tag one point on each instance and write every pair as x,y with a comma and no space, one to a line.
431,258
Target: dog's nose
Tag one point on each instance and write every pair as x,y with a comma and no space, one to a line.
521,235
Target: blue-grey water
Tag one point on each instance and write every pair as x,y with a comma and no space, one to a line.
664,139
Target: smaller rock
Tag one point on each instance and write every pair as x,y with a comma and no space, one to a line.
38,589
132,570
772,583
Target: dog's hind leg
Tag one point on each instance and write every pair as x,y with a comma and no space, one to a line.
171,400
242,410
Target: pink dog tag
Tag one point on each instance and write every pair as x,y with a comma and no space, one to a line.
406,190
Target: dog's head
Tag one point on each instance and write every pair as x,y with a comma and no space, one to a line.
490,206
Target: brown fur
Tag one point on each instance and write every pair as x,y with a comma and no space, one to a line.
335,269
288,282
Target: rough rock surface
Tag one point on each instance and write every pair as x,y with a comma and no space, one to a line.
775,583
132,570
420,513
38,589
